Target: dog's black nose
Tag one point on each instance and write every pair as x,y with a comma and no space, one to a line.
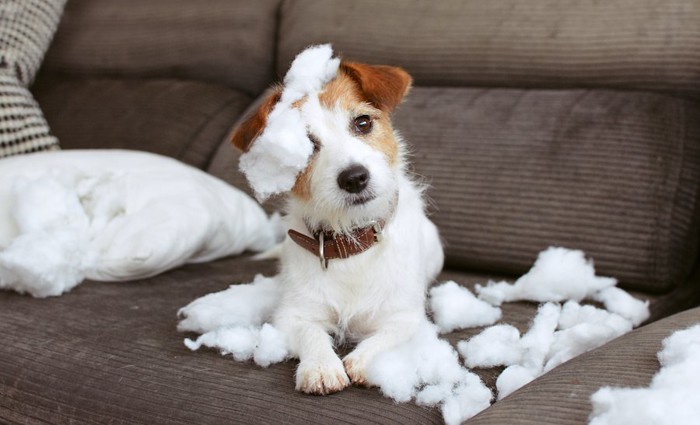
354,179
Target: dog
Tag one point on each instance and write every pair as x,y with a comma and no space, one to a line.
361,251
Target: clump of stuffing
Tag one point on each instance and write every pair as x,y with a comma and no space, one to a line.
620,302
244,305
557,335
672,398
455,307
559,274
427,369
51,252
495,346
265,345
283,148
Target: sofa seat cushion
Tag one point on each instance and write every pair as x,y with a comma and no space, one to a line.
614,174
183,119
110,351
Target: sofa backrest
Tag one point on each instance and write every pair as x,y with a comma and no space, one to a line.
638,44
540,123
220,41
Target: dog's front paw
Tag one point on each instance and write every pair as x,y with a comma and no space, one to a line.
321,378
356,366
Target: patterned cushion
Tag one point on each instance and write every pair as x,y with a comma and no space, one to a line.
26,29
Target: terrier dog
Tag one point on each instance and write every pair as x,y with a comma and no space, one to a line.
361,251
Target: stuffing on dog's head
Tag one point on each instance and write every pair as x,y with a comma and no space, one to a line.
325,137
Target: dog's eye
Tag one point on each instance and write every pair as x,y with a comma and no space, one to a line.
362,124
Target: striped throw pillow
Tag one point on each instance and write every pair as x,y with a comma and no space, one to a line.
26,29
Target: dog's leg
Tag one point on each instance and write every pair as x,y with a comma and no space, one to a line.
396,331
320,370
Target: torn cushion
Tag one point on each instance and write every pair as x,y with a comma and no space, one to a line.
115,215
26,29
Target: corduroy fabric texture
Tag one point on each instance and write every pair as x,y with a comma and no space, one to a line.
218,41
515,171
26,29
562,396
183,119
109,352
632,44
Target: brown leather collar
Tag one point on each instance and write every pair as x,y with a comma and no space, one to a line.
329,245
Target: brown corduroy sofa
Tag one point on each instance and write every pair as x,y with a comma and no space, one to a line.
537,123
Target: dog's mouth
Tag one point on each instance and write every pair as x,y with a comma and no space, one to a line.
361,199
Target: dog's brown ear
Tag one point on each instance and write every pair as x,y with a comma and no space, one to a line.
382,86
252,126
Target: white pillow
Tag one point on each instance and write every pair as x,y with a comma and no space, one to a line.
115,215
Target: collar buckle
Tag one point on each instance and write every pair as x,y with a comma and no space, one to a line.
378,231
321,249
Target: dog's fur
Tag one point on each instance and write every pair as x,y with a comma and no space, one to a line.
376,298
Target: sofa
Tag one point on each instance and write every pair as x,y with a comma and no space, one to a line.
536,124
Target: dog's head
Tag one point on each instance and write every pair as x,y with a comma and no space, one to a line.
352,175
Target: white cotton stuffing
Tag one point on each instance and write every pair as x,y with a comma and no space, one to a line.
283,148
455,307
513,378
470,397
245,305
278,155
497,345
538,339
424,360
427,369
672,397
312,69
557,335
559,274
535,345
50,252
620,302
235,321
581,329
264,345
272,346
239,341
573,314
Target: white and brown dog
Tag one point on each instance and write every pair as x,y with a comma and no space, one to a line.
361,251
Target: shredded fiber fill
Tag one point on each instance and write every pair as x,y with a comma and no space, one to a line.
455,307
283,149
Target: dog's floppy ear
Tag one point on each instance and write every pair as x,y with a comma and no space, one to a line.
252,126
382,86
